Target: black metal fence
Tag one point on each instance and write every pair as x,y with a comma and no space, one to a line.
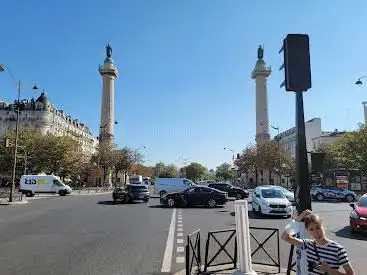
223,246
193,253
260,246
223,238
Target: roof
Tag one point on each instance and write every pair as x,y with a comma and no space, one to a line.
42,98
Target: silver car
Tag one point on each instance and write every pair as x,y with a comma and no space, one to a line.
270,200
286,192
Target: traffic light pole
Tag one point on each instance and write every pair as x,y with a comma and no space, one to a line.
302,192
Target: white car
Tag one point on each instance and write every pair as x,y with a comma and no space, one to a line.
289,195
267,200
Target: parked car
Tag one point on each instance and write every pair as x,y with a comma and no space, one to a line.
358,216
232,191
322,192
269,200
131,192
163,186
196,195
289,194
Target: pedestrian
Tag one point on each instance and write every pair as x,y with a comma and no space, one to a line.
324,256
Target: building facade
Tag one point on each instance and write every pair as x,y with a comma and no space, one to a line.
315,137
44,117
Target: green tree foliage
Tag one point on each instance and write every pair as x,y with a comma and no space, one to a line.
225,172
195,171
160,170
349,152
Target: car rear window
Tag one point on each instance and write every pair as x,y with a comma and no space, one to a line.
139,188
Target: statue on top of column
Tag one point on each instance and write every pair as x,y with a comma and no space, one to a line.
108,51
260,52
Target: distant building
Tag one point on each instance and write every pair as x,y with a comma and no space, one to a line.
315,137
43,116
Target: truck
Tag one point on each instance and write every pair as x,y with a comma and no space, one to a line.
32,184
162,186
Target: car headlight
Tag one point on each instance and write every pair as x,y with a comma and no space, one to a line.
288,204
353,215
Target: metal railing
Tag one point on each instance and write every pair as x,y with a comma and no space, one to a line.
260,246
193,253
222,247
231,252
92,189
291,263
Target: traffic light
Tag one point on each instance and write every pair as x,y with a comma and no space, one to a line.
297,66
238,156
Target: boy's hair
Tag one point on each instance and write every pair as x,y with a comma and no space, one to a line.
312,218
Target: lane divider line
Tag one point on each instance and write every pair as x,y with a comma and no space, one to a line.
167,258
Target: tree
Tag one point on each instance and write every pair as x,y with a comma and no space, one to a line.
158,169
349,152
247,162
170,171
195,171
123,160
105,157
225,171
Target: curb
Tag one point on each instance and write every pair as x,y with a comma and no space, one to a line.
91,194
14,202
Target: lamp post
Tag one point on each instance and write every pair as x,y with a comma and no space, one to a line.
364,103
18,84
232,150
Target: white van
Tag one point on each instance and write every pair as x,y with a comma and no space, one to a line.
32,184
163,186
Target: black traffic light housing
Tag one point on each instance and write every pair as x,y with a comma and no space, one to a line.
297,65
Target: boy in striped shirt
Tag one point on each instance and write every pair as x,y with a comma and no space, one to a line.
324,256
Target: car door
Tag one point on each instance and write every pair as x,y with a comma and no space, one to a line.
189,195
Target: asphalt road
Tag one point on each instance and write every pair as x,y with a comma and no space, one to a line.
90,235
82,235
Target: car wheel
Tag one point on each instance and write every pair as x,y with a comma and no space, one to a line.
349,198
253,208
238,197
28,193
320,197
162,193
212,203
260,213
114,200
146,200
171,202
62,193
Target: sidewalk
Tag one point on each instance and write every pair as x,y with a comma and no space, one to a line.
228,269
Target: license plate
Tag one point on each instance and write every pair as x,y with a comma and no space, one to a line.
278,210
141,197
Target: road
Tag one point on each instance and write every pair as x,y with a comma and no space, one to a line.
90,235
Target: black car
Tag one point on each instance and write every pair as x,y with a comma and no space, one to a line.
131,192
232,191
196,195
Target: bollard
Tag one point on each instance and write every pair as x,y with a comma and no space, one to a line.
243,238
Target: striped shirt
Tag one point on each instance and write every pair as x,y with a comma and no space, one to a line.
331,253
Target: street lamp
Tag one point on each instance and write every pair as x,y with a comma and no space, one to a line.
18,84
359,81
232,150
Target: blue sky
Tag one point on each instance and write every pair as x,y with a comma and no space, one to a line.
184,89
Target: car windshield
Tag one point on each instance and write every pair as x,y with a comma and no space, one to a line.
272,193
283,190
362,202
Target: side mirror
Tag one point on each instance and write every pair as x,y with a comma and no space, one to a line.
352,205
257,195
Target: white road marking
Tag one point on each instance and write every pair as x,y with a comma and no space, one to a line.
179,228
180,249
180,260
180,234
180,241
167,258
